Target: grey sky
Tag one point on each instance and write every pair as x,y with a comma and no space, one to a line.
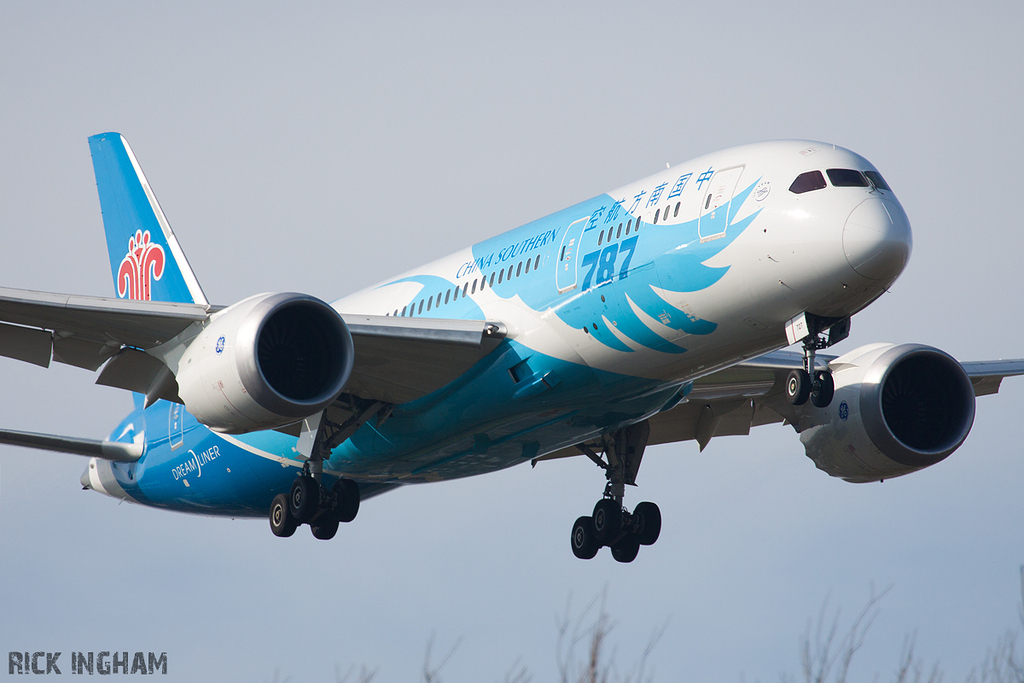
322,149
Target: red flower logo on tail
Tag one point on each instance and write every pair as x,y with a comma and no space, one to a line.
143,263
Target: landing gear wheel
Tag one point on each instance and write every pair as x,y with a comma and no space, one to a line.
325,530
281,521
347,506
798,387
304,498
625,550
824,389
648,523
584,545
607,520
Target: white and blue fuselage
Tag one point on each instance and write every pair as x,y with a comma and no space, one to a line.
613,308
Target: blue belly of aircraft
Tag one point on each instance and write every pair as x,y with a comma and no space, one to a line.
515,405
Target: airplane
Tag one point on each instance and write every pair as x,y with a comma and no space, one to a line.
658,312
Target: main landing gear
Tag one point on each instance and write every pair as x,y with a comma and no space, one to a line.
810,382
309,501
611,524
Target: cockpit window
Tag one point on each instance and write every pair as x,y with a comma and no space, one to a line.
877,180
846,177
806,182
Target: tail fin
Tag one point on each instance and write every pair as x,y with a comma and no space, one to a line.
146,261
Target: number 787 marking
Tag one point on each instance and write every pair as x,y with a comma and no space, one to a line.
602,262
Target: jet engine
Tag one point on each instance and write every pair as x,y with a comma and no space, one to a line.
265,362
897,409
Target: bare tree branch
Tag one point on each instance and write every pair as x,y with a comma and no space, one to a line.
431,674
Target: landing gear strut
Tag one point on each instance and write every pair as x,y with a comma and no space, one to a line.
611,524
809,382
309,501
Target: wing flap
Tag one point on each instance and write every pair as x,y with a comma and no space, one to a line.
26,344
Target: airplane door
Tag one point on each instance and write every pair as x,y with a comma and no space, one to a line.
714,209
565,272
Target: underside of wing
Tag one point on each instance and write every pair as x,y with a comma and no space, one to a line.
396,360
85,331
731,401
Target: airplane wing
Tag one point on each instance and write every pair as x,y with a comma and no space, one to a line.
397,359
731,401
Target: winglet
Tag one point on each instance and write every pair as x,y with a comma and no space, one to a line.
145,258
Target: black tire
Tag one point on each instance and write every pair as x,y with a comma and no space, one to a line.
584,545
607,521
798,387
347,506
626,548
304,498
824,389
648,523
325,530
281,521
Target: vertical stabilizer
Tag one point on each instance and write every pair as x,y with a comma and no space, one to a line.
145,259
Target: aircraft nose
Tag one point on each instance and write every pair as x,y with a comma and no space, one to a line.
877,239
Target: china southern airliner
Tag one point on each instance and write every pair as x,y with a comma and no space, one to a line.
654,313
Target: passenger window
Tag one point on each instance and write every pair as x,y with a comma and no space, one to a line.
618,233
876,179
676,214
429,301
519,269
846,177
465,288
447,295
529,262
536,262
420,311
509,275
610,231
403,310
483,282
807,182
501,274
492,279
473,291
656,214
600,238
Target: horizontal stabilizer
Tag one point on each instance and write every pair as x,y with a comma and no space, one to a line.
106,450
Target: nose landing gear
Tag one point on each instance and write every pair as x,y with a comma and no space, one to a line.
611,524
809,382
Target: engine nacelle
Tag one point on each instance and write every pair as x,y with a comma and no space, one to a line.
896,409
265,362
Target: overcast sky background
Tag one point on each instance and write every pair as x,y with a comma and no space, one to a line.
320,149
